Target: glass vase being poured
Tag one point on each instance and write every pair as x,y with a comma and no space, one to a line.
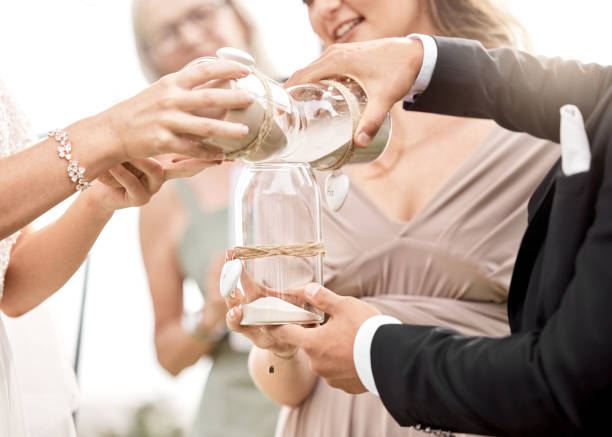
310,123
277,204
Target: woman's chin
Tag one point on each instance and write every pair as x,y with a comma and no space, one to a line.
360,34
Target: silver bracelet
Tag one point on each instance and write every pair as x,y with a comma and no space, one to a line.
75,173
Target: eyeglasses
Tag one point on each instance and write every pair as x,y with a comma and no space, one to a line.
201,18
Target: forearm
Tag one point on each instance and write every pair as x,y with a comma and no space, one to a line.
40,176
56,251
178,349
287,381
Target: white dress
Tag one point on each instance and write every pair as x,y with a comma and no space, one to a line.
13,137
44,381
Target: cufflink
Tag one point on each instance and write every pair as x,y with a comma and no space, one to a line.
429,430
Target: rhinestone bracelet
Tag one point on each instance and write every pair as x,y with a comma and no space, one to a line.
75,173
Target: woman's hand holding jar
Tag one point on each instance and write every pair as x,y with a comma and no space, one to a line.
162,120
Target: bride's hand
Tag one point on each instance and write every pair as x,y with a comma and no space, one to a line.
161,118
133,191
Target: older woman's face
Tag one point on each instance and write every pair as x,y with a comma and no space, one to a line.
341,21
178,31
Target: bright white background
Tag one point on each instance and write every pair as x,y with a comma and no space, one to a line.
66,59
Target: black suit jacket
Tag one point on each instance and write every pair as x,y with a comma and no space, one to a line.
553,375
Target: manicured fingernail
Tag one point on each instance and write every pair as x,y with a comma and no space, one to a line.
312,289
250,98
245,70
363,139
233,313
218,157
245,129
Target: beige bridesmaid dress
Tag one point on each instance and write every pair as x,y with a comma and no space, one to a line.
449,266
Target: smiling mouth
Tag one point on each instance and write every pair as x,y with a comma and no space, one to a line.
345,28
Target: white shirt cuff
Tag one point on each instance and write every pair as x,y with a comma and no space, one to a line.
430,57
362,346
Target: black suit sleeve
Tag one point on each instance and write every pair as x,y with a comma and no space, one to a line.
553,381
519,91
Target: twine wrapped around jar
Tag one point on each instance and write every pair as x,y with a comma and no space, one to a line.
302,250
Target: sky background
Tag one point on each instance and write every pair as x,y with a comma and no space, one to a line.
67,59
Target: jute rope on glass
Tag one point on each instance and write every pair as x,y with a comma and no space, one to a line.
355,112
266,125
302,250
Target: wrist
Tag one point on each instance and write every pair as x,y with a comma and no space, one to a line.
210,317
205,328
285,353
96,144
94,206
111,128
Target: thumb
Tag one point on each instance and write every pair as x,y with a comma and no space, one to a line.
372,118
322,298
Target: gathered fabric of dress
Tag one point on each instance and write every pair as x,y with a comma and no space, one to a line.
43,382
13,137
449,266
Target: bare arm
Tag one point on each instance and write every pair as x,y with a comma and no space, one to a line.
176,348
157,121
287,381
42,261
278,369
40,176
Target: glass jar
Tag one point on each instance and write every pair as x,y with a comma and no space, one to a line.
311,123
278,204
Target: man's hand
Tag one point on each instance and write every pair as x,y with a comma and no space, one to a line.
385,68
330,346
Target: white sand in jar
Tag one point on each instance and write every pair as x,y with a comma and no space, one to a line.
323,138
272,310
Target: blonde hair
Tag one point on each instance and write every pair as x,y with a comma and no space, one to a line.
149,68
484,20
142,48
